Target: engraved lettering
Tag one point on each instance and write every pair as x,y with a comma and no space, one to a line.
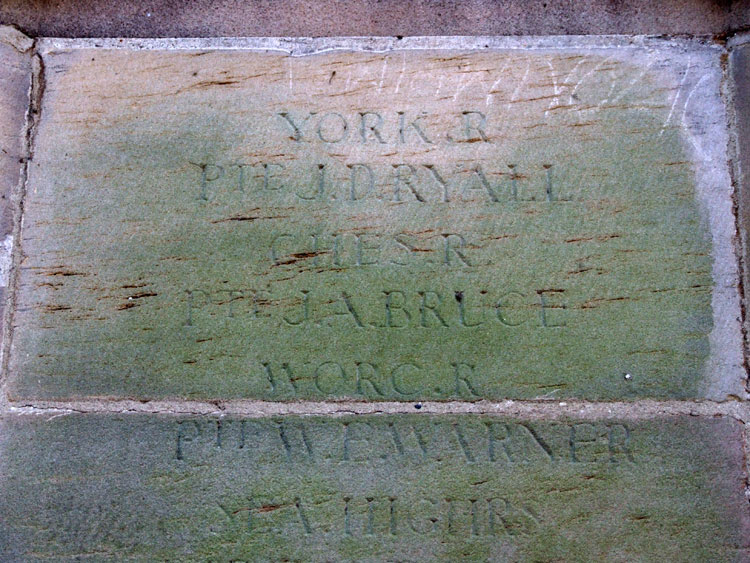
430,303
548,182
319,185
484,183
463,372
357,437
209,173
274,246
369,379
350,311
461,301
399,376
596,443
187,431
269,176
404,176
454,244
399,440
302,516
273,379
474,121
329,376
362,248
395,302
545,306
498,440
440,181
373,127
332,128
424,516
619,444
357,170
463,443
540,443
504,518
304,314
513,182
296,129
505,303
295,443
403,127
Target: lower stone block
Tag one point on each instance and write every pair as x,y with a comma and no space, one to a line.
370,488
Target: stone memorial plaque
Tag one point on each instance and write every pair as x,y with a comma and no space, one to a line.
379,219
405,488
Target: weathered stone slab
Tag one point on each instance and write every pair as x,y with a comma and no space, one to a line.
530,219
407,488
15,83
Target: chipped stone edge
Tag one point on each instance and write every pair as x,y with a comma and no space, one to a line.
738,39
16,39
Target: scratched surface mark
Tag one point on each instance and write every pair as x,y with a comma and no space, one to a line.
407,488
404,225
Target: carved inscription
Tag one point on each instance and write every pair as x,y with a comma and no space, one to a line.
390,309
409,225
379,487
387,516
344,250
488,441
467,126
404,442
402,182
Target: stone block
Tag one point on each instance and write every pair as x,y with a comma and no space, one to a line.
375,488
379,219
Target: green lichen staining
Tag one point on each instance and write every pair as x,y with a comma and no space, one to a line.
371,488
327,236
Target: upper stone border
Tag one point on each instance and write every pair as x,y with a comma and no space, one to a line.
300,46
